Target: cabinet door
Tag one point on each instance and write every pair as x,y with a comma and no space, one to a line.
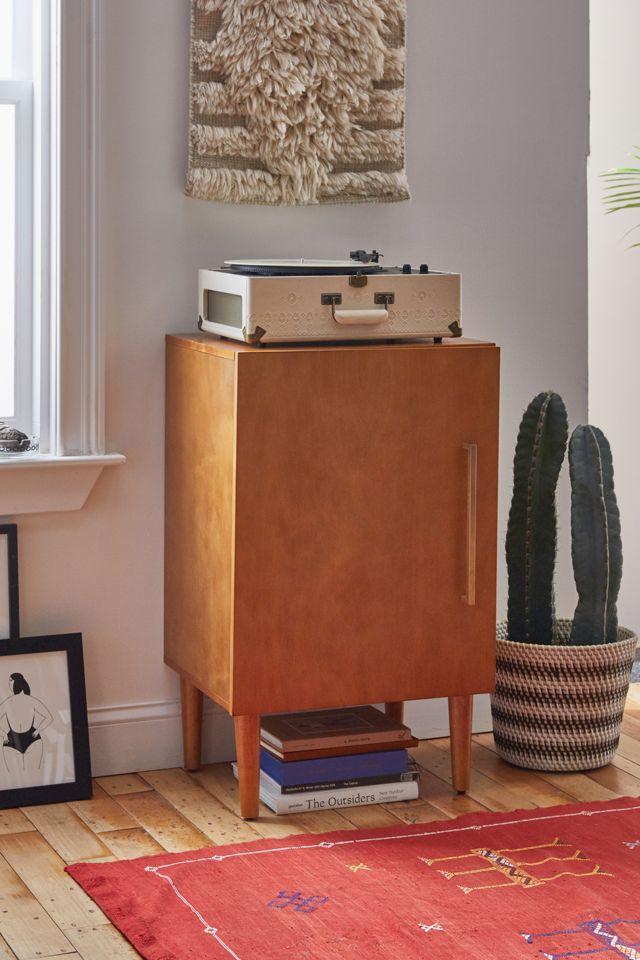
357,575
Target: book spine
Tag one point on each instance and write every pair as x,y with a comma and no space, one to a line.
407,777
300,755
335,768
341,740
338,799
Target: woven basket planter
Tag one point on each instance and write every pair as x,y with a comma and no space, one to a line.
560,707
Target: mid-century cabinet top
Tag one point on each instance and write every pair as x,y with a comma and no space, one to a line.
317,521
230,349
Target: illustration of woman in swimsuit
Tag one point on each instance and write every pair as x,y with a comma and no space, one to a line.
23,719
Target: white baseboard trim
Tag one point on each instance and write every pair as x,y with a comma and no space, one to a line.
429,719
148,736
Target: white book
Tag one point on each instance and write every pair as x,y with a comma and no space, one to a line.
331,799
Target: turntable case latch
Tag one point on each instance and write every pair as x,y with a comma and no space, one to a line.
384,298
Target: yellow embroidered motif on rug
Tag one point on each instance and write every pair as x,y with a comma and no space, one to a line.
512,868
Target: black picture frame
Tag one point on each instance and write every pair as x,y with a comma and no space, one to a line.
10,530
81,787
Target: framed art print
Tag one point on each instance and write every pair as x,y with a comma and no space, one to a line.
9,597
43,721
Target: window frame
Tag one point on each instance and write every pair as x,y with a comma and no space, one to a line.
75,334
68,337
59,353
18,91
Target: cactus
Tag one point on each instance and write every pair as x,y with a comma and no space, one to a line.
596,547
531,533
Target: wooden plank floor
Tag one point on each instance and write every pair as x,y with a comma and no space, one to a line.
43,914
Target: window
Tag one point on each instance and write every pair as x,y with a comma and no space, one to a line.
51,340
17,226
51,378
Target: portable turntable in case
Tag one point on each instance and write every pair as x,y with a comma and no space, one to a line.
271,301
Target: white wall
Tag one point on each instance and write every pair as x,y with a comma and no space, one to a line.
614,270
497,137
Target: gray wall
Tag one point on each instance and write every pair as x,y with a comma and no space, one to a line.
614,271
497,136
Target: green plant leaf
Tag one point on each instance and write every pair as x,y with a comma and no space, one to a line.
622,188
623,195
624,206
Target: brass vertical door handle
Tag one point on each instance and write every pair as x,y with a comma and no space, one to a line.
472,522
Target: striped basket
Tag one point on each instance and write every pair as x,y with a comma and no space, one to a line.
560,707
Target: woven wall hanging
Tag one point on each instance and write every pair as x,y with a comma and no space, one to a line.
297,101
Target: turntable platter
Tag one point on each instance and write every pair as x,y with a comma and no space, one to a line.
301,267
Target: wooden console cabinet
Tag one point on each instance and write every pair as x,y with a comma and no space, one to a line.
330,531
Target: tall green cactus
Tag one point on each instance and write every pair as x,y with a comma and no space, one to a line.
531,532
596,546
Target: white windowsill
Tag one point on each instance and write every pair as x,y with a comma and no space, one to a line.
44,483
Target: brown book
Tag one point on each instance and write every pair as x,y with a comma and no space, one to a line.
324,729
339,751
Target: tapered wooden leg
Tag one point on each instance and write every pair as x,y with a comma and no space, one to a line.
248,749
460,716
191,699
395,710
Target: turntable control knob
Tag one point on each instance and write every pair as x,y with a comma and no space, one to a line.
406,268
424,268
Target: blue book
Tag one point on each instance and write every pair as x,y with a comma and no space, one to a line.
334,769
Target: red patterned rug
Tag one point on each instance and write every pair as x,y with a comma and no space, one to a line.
560,882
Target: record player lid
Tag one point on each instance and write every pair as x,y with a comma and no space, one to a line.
267,268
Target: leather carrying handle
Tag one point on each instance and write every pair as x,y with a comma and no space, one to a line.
355,318
472,523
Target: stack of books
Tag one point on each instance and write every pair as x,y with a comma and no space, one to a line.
333,759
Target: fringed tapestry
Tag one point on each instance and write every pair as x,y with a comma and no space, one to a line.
297,101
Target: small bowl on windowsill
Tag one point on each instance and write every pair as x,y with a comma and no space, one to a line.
15,443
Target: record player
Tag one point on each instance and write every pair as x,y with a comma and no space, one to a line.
272,301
